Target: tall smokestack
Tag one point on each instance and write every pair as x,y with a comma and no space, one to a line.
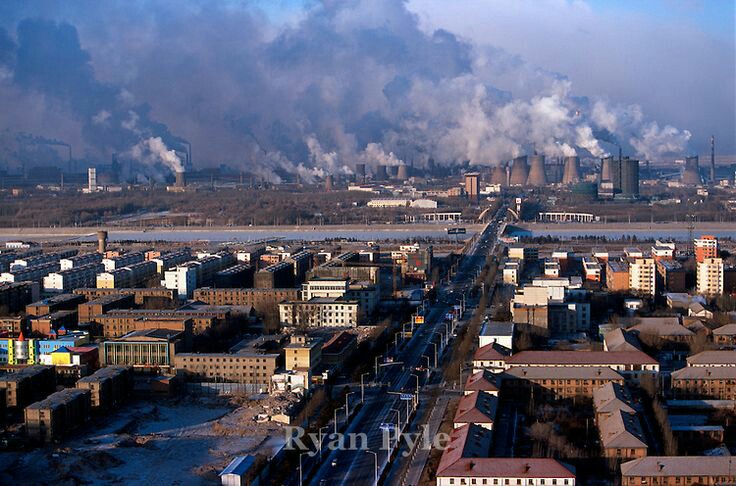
712,158
519,171
180,179
102,241
571,172
537,174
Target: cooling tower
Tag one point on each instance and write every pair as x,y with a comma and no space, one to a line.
606,169
381,173
519,171
498,175
328,183
691,173
360,171
554,171
537,174
403,172
571,172
180,180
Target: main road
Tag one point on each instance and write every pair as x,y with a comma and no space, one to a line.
383,404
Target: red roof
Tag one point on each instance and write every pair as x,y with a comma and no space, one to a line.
580,357
476,408
491,352
481,381
338,342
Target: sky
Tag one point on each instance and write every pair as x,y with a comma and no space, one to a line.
308,86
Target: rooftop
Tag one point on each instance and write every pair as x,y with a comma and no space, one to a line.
705,373
59,398
497,329
580,358
482,380
621,430
620,340
727,330
727,357
562,373
477,408
661,466
611,397
492,352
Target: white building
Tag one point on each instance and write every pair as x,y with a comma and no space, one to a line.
73,278
709,279
642,275
123,261
79,260
320,312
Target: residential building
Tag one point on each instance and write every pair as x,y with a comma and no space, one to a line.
704,382
146,350
72,278
725,335
303,354
88,310
338,349
466,461
705,247
617,276
678,470
478,408
713,358
79,260
108,386
57,415
709,276
642,276
592,270
512,272
546,383
142,296
631,364
482,381
671,276
14,296
491,357
27,385
53,304
123,260
496,332
320,312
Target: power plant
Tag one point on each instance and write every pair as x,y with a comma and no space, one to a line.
619,177
328,183
360,172
537,174
498,175
691,172
180,179
402,173
519,171
381,173
571,171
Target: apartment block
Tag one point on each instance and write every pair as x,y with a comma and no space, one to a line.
88,310
642,276
704,382
617,276
678,470
108,386
27,385
320,312
57,415
671,275
72,278
705,247
709,276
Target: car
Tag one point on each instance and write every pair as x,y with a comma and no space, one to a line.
334,463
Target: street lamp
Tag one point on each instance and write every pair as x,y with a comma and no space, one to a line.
429,365
362,388
417,377
320,440
338,408
347,407
435,353
375,466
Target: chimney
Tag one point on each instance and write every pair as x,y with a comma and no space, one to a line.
102,241
403,172
712,158
691,173
180,180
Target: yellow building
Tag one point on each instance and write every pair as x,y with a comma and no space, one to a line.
303,354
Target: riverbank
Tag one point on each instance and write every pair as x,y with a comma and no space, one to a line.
239,233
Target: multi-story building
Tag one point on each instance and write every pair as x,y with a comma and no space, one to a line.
141,296
147,350
277,275
725,335
338,349
116,324
254,363
709,276
631,364
14,296
236,276
303,353
704,382
35,273
80,260
617,276
264,301
466,461
53,324
123,260
619,426
53,304
88,310
553,383
592,270
320,312
29,351
73,278
671,275
663,251
108,386
512,272
169,260
58,414
678,470
705,247
526,253
642,276
41,259
27,385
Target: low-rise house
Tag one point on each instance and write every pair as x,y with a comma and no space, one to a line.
704,382
482,381
678,470
491,357
477,408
